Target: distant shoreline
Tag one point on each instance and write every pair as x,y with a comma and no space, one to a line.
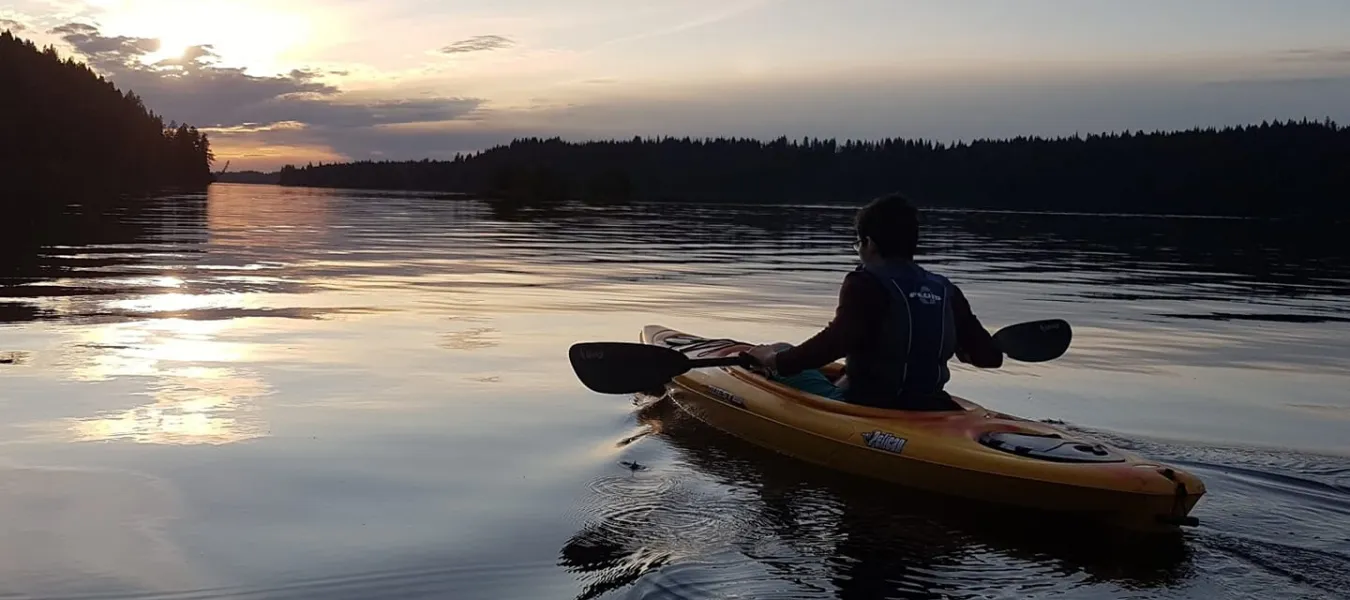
1275,168
935,209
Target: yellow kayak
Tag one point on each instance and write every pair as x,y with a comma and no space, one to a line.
974,452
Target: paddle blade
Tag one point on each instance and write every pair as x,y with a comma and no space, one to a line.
1036,341
625,368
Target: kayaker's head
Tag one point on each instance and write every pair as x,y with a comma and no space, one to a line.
888,229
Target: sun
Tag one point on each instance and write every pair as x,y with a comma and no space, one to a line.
252,34
170,47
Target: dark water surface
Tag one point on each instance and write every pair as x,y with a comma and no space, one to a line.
286,393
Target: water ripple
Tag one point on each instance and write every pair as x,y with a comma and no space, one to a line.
362,336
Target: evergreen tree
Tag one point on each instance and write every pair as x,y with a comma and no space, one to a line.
67,132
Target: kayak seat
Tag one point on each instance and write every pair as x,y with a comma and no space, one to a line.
940,402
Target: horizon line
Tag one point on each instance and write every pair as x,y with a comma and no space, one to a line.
1326,121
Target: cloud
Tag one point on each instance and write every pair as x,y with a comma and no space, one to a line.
324,111
479,43
246,128
191,88
12,25
306,74
1322,55
295,108
437,141
726,12
1333,83
104,52
193,56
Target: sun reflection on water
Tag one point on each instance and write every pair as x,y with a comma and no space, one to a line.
173,302
140,348
211,408
199,394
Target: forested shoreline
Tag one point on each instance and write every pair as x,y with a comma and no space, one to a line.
69,135
1280,167
250,176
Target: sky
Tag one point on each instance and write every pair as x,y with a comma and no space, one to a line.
277,82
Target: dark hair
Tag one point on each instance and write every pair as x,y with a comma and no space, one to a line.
892,223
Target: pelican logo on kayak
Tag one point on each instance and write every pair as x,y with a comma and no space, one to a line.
725,395
926,295
884,441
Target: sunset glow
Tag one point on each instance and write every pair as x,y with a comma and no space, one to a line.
413,79
257,36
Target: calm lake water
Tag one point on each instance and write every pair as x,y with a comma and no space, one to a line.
281,393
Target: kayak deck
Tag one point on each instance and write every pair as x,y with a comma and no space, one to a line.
971,452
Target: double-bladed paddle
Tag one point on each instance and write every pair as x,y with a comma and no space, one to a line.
1035,341
626,368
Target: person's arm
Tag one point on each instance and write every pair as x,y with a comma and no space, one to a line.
974,345
861,299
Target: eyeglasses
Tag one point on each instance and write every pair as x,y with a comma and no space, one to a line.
857,245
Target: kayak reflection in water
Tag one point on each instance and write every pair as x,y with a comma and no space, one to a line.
896,325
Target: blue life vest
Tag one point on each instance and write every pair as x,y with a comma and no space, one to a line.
905,367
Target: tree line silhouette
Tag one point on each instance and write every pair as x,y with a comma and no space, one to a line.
1272,168
66,132
250,176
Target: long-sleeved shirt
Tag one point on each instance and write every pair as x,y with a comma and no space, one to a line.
862,305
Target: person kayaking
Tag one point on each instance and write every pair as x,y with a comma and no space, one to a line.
896,325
